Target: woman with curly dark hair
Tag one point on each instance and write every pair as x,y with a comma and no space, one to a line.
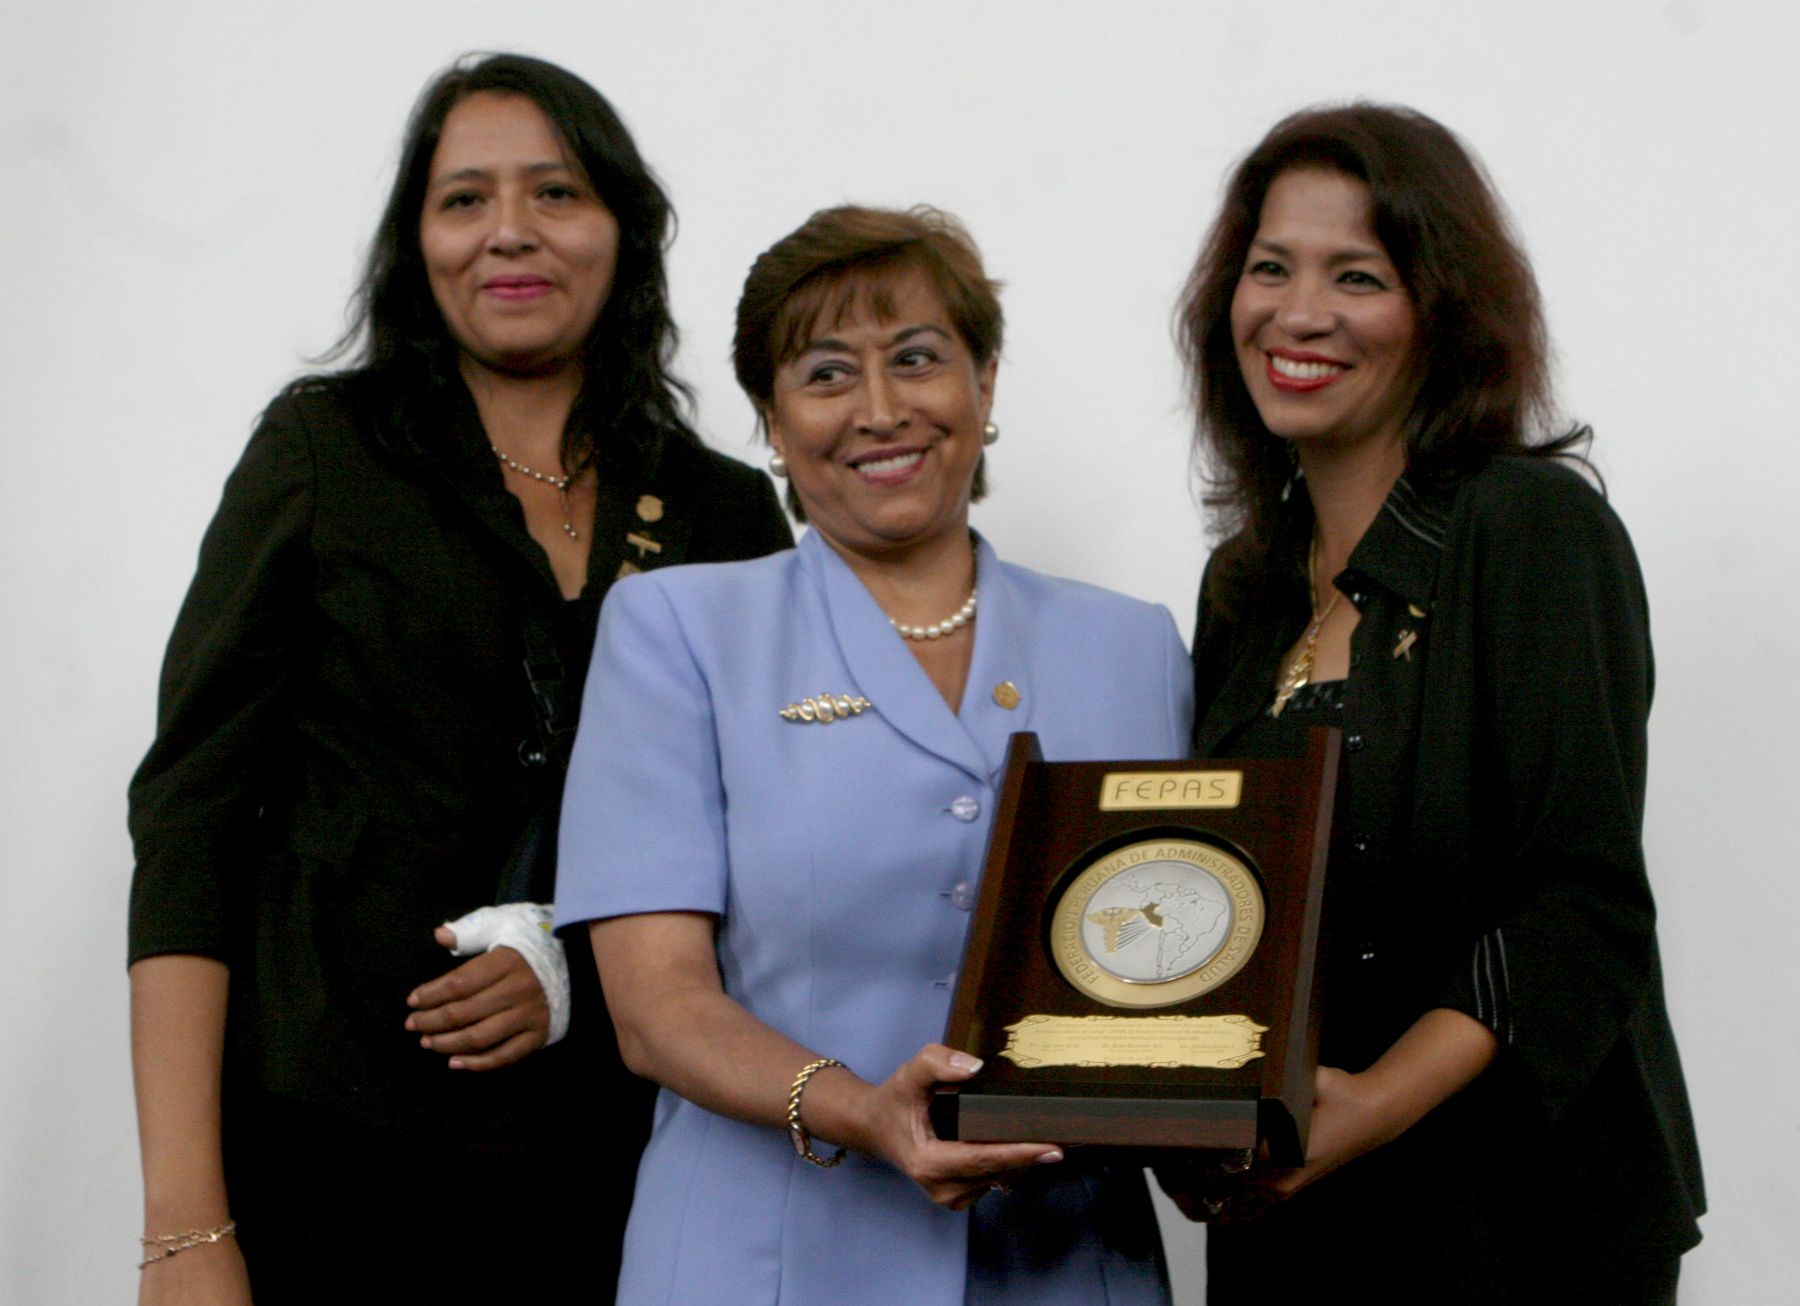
364,718
1500,1113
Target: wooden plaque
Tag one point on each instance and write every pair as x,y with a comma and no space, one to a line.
1141,966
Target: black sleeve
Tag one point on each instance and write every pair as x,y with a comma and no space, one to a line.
1563,695
740,517
1210,648
224,702
1216,642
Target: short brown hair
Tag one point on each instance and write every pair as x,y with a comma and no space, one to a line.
844,255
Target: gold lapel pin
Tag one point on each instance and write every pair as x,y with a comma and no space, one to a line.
1404,645
650,508
1006,694
825,708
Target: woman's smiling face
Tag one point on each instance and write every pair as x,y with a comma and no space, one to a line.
1323,324
518,248
880,417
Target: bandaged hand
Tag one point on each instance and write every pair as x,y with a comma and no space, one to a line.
512,999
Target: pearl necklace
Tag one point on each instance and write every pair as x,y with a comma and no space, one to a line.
559,483
954,622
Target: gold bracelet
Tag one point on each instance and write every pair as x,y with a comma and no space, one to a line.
161,1246
796,1129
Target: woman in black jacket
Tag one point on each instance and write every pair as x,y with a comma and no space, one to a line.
1501,1115
363,719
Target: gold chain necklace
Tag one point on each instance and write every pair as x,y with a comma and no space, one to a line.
1300,670
558,483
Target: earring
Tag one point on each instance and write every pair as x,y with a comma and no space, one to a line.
777,465
990,433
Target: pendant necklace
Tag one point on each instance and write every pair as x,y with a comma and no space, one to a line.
1300,671
559,483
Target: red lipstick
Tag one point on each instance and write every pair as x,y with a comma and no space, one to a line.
1320,376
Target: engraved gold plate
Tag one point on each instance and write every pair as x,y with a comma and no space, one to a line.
1209,1042
1156,922
1134,791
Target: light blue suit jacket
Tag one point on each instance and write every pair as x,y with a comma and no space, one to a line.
841,859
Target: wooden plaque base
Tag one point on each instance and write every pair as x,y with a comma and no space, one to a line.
1052,830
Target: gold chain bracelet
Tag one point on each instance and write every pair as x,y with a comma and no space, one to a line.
796,1129
161,1246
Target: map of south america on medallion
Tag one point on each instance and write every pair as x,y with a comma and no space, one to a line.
1159,922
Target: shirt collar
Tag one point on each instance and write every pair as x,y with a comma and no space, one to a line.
887,673
1401,548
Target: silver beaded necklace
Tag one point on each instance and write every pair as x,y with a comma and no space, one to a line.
560,483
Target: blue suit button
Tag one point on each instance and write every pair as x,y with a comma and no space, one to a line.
963,895
965,808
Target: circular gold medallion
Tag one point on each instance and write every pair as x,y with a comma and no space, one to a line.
1156,923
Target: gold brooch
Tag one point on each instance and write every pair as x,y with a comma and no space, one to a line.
825,708
1403,646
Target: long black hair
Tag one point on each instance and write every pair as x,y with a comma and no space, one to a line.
402,353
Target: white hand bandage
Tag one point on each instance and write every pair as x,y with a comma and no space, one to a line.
525,928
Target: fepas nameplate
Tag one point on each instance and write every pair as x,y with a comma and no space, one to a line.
1138,791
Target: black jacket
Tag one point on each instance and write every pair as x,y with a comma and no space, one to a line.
348,747
1488,858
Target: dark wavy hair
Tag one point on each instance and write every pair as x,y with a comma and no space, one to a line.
842,256
398,344
1480,356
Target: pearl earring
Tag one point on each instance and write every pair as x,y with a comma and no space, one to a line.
990,433
777,465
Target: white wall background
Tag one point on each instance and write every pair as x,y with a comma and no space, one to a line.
187,189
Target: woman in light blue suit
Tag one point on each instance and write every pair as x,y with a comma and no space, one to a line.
780,799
